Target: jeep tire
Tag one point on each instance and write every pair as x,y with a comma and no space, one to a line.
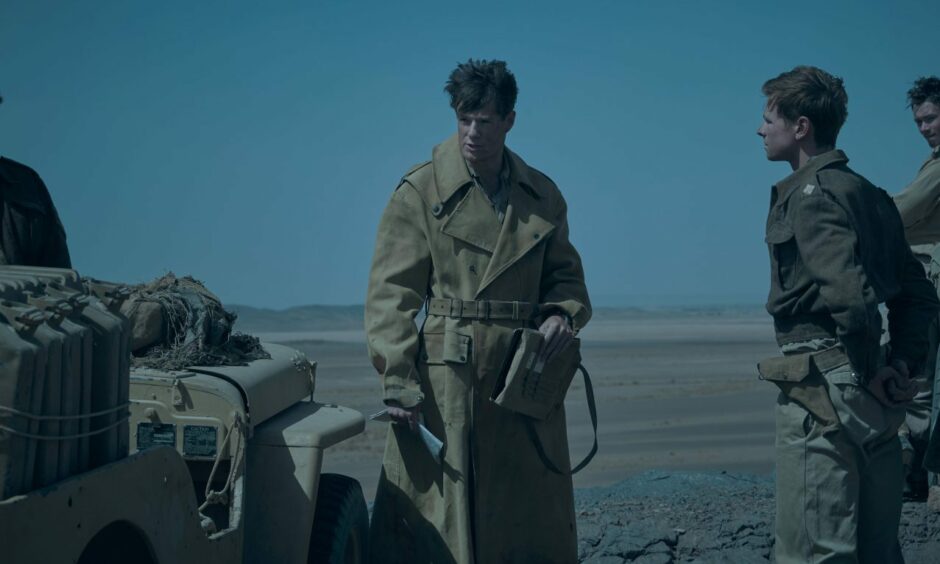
340,522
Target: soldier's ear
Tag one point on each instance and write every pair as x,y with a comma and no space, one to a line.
802,128
510,120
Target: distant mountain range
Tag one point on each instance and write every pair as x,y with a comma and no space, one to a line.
338,318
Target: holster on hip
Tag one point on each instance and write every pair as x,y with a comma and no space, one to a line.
800,378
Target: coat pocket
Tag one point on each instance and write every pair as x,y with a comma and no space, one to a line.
784,254
800,380
443,348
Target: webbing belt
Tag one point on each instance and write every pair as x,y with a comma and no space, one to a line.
481,309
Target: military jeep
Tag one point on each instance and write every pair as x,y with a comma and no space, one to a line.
207,464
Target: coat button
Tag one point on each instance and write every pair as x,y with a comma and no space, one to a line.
463,358
436,209
536,236
473,268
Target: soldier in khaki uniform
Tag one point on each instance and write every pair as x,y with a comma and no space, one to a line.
837,251
480,239
919,206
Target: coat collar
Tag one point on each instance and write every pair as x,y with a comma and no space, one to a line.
934,156
13,188
807,173
451,174
5,176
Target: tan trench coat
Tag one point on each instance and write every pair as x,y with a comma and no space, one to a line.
492,500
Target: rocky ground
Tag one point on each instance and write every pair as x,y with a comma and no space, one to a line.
664,517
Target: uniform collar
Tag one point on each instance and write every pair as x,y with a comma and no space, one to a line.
451,172
806,174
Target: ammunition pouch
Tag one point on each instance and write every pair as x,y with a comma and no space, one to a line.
800,378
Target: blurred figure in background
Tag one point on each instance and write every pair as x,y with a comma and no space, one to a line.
30,231
919,206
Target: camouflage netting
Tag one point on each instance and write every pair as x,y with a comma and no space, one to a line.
177,322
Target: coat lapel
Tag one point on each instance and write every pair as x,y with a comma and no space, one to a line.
473,221
523,227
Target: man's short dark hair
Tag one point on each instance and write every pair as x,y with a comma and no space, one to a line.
811,92
476,83
925,89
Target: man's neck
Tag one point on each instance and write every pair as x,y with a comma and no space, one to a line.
488,172
806,153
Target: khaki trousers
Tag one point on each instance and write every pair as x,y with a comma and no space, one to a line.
838,487
920,416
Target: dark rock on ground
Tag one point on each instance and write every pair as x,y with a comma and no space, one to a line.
666,517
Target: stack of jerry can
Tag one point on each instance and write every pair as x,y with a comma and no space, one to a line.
64,363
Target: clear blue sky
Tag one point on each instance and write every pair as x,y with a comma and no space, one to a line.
255,144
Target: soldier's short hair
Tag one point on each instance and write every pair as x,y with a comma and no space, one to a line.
813,93
476,83
925,89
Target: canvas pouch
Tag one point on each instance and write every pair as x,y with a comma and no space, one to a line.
800,378
532,387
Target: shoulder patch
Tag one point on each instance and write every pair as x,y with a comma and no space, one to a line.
809,189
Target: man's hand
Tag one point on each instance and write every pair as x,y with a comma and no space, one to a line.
892,385
404,416
557,334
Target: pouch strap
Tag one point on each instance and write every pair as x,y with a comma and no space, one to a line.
481,309
592,409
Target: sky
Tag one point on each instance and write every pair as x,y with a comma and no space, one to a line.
254,145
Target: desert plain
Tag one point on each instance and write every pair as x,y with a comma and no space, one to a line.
684,470
676,389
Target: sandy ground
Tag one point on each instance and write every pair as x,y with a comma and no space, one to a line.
686,434
673,393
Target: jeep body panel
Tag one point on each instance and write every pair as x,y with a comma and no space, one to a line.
269,386
283,473
152,491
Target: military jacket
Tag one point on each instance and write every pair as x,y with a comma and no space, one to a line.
491,499
837,250
30,231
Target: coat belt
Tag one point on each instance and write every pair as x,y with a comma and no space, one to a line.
481,309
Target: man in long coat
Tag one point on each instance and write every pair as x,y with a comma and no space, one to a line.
479,239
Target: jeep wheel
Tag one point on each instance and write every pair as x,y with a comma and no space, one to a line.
340,522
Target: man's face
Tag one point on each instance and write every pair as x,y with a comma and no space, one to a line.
482,133
927,119
779,136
